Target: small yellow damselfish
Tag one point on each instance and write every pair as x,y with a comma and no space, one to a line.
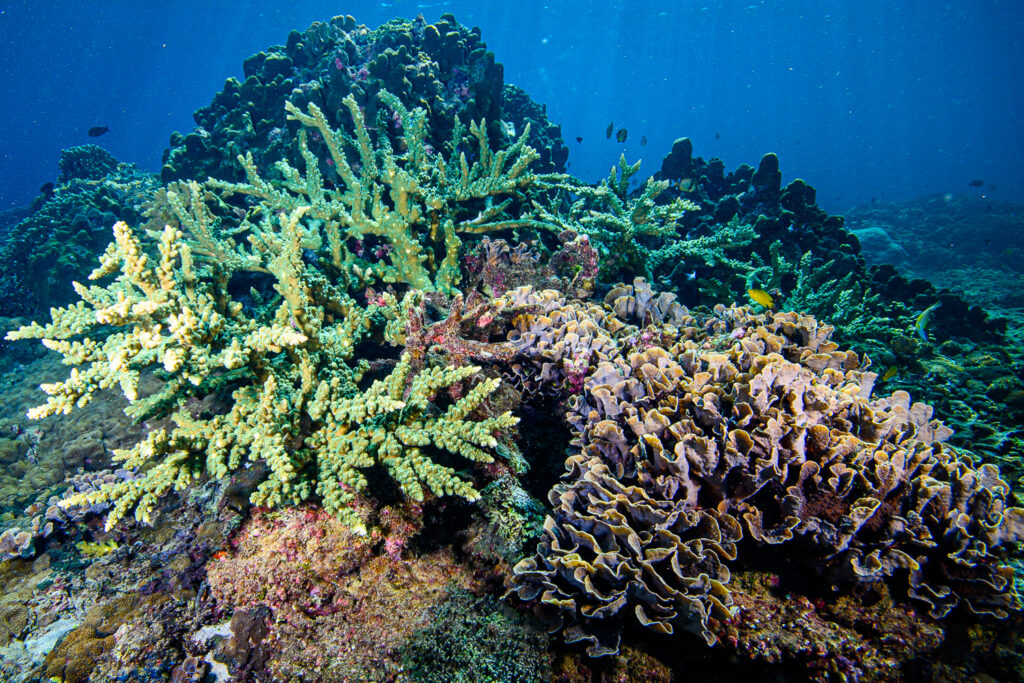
890,373
762,297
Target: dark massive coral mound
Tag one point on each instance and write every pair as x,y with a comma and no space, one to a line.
806,257
442,67
68,228
697,443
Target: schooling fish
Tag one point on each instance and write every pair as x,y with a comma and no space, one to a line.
622,135
643,140
922,320
97,131
609,130
977,182
579,138
718,136
762,297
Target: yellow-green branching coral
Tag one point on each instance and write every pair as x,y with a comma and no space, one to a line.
416,202
152,315
391,423
387,425
295,407
159,316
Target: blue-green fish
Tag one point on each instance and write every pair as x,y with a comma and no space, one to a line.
923,318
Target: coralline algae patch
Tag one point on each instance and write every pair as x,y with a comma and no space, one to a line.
334,609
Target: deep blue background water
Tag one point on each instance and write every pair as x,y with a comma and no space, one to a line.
861,99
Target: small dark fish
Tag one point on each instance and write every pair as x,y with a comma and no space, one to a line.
47,189
718,136
976,183
622,135
608,131
97,131
579,138
643,140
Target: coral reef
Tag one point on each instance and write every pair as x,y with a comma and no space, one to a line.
633,235
811,262
391,204
791,235
46,461
967,245
295,410
971,245
857,637
393,424
326,592
327,347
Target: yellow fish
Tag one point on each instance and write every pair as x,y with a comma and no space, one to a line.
890,373
762,297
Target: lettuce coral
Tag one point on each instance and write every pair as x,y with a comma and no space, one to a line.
753,427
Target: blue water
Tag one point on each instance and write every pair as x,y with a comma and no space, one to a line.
863,100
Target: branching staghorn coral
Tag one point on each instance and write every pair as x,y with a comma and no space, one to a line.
389,425
633,235
412,205
295,404
856,313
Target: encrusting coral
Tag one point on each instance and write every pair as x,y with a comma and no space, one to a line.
690,437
